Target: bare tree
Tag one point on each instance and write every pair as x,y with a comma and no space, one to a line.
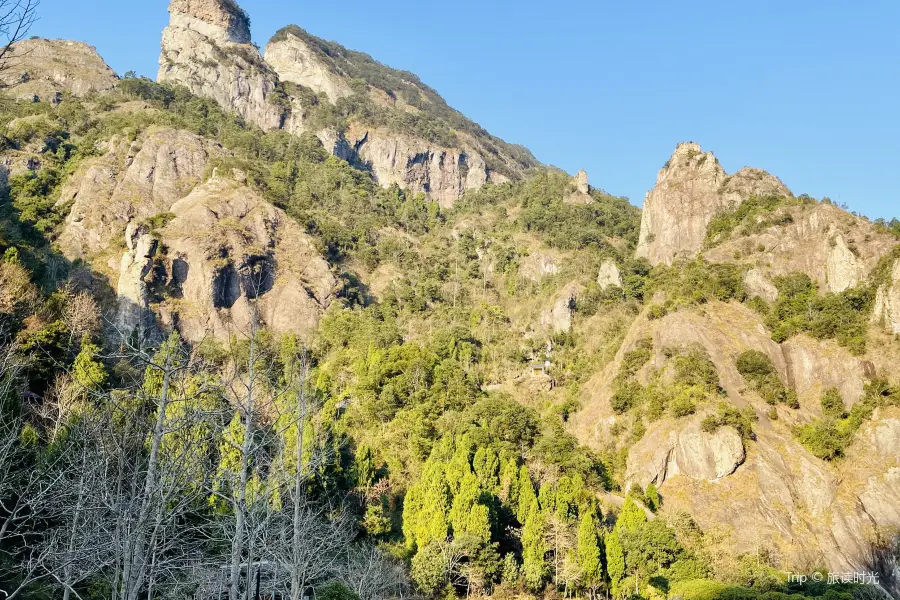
16,19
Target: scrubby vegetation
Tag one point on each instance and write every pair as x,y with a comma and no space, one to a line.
754,215
827,438
801,309
759,372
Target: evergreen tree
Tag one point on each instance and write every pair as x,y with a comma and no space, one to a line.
590,564
534,549
653,499
615,561
87,371
631,517
426,507
527,496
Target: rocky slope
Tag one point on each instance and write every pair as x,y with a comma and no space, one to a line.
690,189
45,69
207,48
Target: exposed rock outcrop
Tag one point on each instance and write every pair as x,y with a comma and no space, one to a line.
206,48
581,193
443,174
133,296
132,180
842,271
609,275
757,285
558,316
538,265
44,69
887,302
225,251
690,189
294,61
689,452
836,249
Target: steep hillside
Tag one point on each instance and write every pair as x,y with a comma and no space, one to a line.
300,298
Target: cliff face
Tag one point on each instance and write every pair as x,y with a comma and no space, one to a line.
131,181
690,190
206,48
44,69
770,487
295,61
887,302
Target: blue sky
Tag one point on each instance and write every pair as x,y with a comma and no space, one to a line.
806,90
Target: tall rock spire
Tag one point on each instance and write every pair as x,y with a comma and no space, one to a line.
690,189
207,48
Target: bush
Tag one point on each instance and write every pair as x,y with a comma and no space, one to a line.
728,415
833,403
759,372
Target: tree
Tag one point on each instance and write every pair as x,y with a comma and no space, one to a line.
615,561
16,19
534,549
652,496
87,371
589,552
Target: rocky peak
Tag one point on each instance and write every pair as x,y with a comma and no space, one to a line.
581,182
293,59
44,69
690,189
220,20
207,48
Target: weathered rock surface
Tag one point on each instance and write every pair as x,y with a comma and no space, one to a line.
757,285
227,250
443,174
689,191
538,265
44,69
842,271
836,249
296,62
558,316
689,452
130,181
206,48
887,302
609,275
581,193
781,493
132,292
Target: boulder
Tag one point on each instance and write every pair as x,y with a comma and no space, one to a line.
581,193
538,265
609,275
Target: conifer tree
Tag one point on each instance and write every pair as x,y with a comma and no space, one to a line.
87,371
590,564
534,549
615,561
527,497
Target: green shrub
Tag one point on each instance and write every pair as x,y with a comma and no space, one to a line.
833,404
728,415
759,372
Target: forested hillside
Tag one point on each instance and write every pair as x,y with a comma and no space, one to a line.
237,362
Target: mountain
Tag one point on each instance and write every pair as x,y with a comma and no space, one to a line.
383,120
294,295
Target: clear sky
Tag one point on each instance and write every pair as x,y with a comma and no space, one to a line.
808,90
